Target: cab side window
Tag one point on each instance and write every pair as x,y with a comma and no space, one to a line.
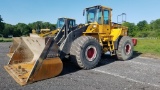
106,17
71,25
99,17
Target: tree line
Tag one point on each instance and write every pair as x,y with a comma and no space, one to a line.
22,29
141,29
144,29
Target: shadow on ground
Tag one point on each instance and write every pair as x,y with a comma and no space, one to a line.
70,67
136,54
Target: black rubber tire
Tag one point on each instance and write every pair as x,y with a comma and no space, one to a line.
121,52
78,48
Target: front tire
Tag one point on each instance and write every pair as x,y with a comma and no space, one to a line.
125,48
86,52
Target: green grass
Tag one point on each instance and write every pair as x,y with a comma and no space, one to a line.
148,47
6,40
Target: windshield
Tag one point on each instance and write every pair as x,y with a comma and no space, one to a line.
60,23
91,14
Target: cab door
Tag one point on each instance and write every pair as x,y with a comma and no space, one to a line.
106,21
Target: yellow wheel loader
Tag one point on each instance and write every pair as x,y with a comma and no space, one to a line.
40,58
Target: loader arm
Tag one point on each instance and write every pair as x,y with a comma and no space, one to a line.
65,47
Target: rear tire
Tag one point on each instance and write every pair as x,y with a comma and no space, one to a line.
125,48
86,52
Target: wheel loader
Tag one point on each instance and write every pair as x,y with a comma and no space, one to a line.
41,33
40,58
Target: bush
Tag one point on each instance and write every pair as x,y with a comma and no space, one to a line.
142,34
6,40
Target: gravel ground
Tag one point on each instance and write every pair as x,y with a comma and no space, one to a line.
136,74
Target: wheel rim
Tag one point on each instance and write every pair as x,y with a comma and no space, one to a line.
128,49
90,53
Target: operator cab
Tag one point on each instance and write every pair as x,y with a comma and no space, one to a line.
99,14
100,17
61,22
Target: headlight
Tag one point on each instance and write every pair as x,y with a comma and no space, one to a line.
94,26
58,29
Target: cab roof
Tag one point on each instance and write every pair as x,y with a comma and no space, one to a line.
66,18
100,6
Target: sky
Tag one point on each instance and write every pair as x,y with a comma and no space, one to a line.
28,11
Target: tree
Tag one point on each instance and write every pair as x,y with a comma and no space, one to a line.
132,28
42,25
155,25
155,28
8,30
1,25
143,25
49,25
52,26
23,28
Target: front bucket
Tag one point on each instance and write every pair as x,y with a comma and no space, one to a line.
13,47
33,60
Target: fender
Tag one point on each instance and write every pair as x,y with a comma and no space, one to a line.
66,44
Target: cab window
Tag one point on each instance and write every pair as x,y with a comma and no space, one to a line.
106,17
99,17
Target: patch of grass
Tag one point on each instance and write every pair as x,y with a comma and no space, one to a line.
6,40
148,47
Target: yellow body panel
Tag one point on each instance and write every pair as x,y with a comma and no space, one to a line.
115,33
49,33
44,33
